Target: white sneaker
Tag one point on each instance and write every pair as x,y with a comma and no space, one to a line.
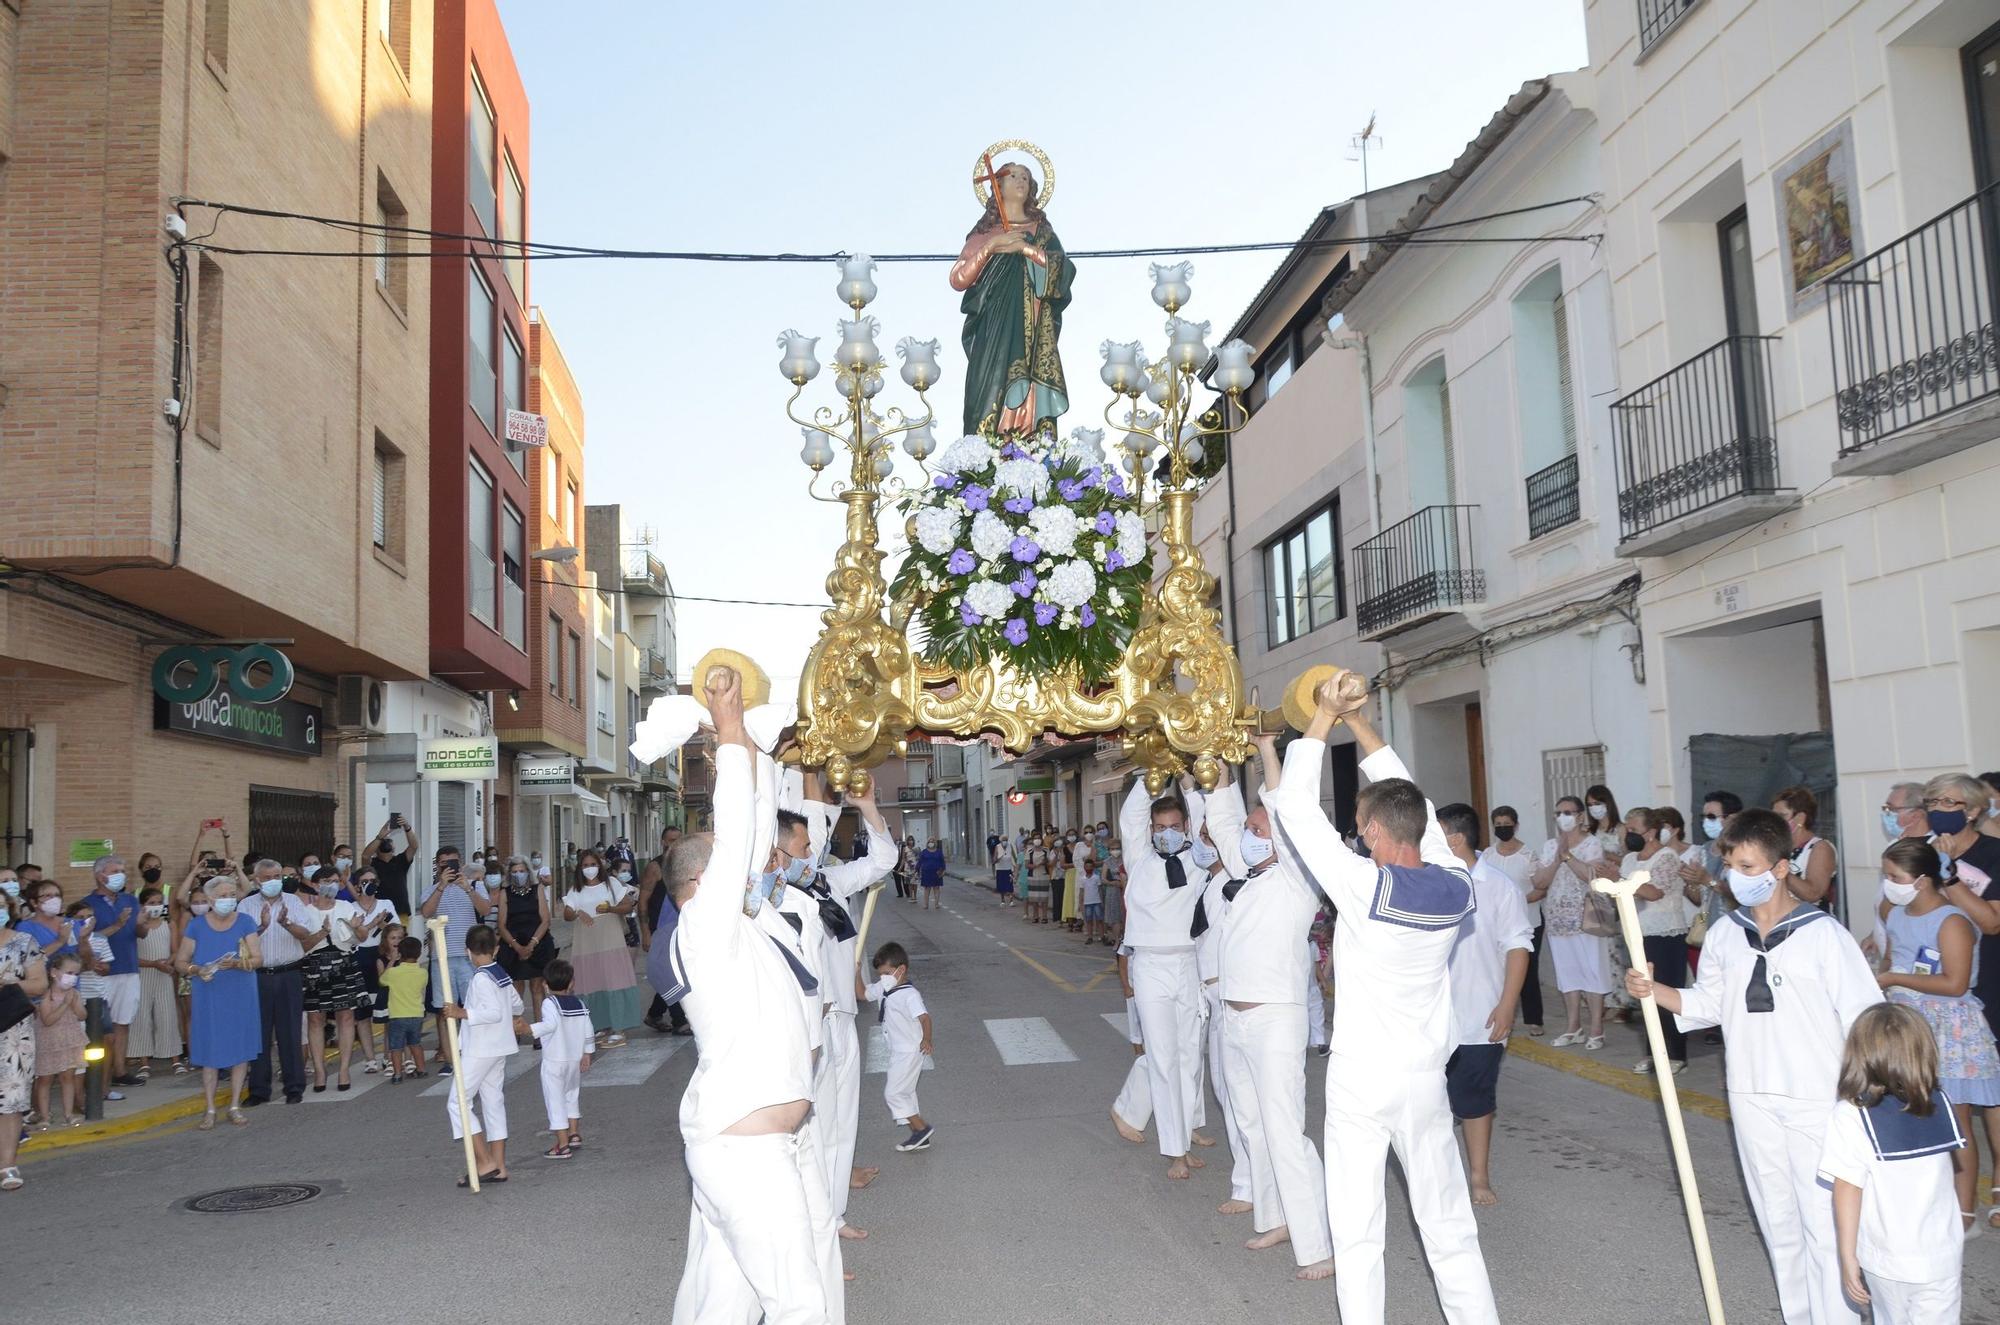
1566,1039
1644,1067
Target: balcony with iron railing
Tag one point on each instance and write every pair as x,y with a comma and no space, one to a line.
924,795
1916,353
1697,451
1418,570
1552,498
644,572
655,673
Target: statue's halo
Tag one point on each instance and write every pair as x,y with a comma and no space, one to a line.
979,189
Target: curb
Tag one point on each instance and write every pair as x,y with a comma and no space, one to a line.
131,1124
1605,1074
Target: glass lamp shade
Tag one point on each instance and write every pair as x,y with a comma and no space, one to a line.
855,288
871,386
1233,371
857,344
1124,365
799,364
919,443
1170,285
920,366
885,465
1159,388
817,452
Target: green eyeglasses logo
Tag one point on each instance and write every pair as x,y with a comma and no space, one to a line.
190,673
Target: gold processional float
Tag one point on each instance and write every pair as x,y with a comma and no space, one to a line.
1027,604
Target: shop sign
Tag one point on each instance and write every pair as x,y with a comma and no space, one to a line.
285,725
190,673
459,759
84,851
546,777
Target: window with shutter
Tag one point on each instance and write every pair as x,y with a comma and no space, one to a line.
1444,433
1563,381
381,500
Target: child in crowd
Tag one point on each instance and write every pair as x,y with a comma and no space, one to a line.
908,1025
1319,988
404,979
489,1019
1933,965
564,1030
1785,981
59,1041
1890,1146
1090,883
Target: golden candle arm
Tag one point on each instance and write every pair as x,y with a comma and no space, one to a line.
1621,892
436,926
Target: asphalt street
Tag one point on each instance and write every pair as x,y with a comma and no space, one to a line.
1028,1208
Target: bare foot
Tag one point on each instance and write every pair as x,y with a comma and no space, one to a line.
1178,1169
847,1276
851,1233
1201,1140
1195,1163
1317,1270
860,1177
1483,1194
1277,1236
1234,1208
1127,1131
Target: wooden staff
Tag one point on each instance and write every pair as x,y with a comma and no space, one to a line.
1621,891
867,914
436,925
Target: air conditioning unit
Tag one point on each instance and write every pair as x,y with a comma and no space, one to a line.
362,704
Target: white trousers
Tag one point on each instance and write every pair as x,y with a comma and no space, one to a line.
1368,1113
753,1250
1169,997
837,1104
1315,1014
1218,1077
1778,1143
485,1077
1900,1303
1267,1092
1135,1100
560,1080
899,1087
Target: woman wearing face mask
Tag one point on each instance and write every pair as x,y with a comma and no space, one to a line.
604,978
1933,964
331,980
1813,859
156,1029
374,915
1566,865
525,946
1604,820
1037,881
1955,812
42,918
11,905
220,954
1663,918
21,965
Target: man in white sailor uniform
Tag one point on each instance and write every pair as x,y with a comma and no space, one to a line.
1161,889
758,1196
1211,921
1263,993
1399,914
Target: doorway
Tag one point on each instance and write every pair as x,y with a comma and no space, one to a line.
1982,95
1746,360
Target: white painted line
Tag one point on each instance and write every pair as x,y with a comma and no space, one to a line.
1026,1040
1118,1022
876,1059
522,1060
635,1064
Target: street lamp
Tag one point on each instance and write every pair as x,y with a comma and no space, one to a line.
563,554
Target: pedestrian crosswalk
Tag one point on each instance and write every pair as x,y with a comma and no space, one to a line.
632,1065
1024,1040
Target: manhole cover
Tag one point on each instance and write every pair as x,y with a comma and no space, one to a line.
247,1200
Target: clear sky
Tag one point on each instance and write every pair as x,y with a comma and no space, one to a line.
769,126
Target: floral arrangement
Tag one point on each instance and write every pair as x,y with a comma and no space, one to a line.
1034,555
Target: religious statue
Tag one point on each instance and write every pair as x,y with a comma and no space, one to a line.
1016,281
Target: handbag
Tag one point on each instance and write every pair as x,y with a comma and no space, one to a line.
1698,930
1600,916
15,1006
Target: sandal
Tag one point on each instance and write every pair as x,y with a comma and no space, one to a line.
1594,1042
484,1179
238,1118
207,1123
10,1180
556,1152
182,1067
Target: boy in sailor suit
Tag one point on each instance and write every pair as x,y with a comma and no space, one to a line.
489,1018
1399,912
1784,980
564,1031
906,1023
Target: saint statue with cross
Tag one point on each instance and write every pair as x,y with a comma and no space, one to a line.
1016,280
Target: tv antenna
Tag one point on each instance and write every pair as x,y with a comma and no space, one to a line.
1361,143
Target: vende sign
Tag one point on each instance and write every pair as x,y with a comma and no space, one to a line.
525,429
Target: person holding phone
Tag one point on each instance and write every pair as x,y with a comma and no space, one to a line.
392,864
463,902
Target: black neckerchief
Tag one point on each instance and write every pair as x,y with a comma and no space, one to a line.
1757,995
1200,925
882,1010
831,913
1176,869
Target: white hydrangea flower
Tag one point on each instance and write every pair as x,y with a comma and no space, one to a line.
937,530
989,598
990,535
1070,584
1131,538
1026,478
1055,529
1116,598
967,453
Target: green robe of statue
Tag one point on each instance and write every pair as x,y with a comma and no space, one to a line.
1013,310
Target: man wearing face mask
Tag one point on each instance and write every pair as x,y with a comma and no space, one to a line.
284,923
1511,857
392,863
1263,990
1399,917
1785,981
1161,891
116,911
463,903
1903,812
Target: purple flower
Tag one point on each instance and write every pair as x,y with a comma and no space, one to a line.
1115,562
1016,631
1024,548
968,616
945,481
1045,613
1020,505
975,497
1012,452
961,562
1107,523
1086,616
1115,486
1024,583
1071,489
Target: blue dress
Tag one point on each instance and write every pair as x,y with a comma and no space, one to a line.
225,1023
